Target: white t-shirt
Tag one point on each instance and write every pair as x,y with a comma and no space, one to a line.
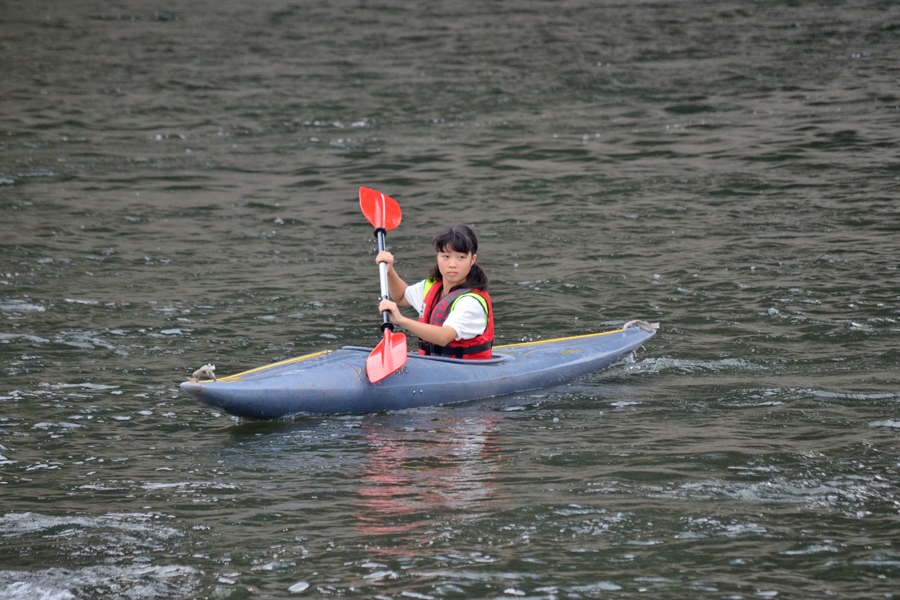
467,319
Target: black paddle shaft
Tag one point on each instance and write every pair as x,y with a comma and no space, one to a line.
383,280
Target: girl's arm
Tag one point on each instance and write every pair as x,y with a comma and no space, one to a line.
440,335
396,286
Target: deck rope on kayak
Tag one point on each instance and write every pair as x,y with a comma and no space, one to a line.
208,371
641,325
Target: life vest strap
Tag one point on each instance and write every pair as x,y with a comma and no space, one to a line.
436,350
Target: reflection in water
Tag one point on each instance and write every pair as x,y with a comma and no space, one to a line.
414,474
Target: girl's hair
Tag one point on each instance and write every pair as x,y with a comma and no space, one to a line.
460,238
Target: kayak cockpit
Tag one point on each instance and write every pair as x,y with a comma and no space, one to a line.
494,360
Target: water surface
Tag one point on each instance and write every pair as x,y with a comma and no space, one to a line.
178,186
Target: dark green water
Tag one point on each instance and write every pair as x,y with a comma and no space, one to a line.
178,186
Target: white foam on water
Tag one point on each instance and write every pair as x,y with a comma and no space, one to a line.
85,340
133,581
14,525
600,586
879,562
416,595
62,424
847,396
838,491
663,364
20,306
193,485
886,423
813,549
110,538
273,566
379,575
6,338
84,386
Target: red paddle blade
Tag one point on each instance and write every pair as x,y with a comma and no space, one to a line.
387,357
381,211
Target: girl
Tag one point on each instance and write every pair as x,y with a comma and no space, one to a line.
455,314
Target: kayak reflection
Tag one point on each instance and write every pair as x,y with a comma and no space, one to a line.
414,473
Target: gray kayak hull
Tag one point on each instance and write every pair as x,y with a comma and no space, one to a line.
335,381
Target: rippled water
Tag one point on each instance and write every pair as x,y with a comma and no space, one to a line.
178,186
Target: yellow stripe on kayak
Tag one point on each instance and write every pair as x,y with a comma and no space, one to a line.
284,362
300,358
577,337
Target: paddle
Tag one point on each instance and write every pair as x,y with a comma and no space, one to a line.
383,213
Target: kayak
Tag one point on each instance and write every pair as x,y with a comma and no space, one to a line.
335,381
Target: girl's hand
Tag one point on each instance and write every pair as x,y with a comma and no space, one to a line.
385,257
391,307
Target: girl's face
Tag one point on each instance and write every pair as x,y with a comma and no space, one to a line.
454,266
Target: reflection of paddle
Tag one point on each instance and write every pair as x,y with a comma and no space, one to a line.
383,213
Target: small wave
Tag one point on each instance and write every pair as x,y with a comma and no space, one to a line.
63,424
880,562
846,492
813,549
5,338
135,581
663,364
20,306
85,340
886,423
192,485
777,396
700,527
849,396
84,386
600,586
13,525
